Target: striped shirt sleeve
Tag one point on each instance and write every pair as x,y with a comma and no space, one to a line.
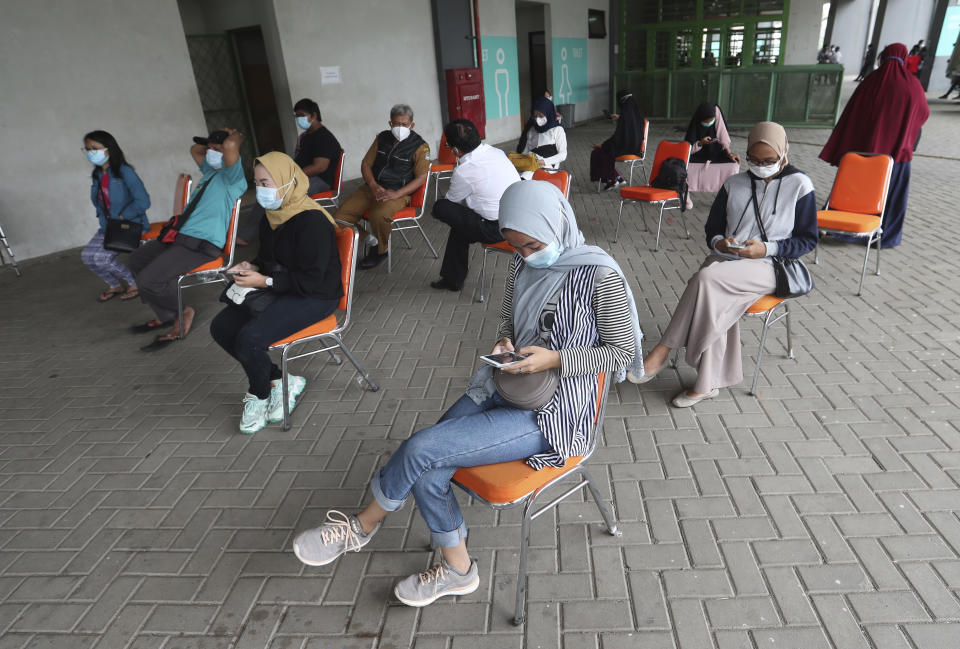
505,330
617,346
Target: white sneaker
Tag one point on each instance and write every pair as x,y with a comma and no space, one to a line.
275,409
254,414
371,240
441,580
339,534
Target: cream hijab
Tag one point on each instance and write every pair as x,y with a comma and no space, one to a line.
774,136
284,170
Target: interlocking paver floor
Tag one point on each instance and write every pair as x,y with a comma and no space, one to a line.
821,514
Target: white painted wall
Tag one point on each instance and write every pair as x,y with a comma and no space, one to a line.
117,65
386,55
803,32
907,21
850,30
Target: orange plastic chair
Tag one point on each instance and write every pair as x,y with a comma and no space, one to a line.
634,160
857,202
408,218
644,194
181,196
442,169
331,197
510,484
562,180
212,271
766,306
329,330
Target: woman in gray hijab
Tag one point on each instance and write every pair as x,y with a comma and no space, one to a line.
567,308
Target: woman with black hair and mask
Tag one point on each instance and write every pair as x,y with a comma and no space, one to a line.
116,192
711,161
627,139
543,136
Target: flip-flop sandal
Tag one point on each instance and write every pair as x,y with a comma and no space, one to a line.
109,294
146,327
159,343
129,294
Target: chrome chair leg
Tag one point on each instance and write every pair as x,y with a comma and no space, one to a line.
619,216
879,236
363,373
518,617
863,271
608,518
427,239
786,306
285,380
683,219
763,340
659,226
483,273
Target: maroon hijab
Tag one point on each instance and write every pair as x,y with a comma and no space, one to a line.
885,113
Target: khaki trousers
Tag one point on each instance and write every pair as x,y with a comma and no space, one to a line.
707,319
380,217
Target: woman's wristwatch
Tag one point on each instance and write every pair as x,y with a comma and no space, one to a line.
269,282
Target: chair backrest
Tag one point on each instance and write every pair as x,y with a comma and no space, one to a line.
181,193
231,243
559,178
861,183
338,178
416,201
445,153
348,239
667,149
646,132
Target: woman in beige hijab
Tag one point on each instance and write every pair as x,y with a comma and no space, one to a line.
297,272
738,270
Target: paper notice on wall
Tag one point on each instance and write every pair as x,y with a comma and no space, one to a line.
329,75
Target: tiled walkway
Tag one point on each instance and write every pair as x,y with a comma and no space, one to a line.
821,514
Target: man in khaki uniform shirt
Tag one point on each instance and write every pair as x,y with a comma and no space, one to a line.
395,166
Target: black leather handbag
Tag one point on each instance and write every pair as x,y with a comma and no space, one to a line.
792,275
121,235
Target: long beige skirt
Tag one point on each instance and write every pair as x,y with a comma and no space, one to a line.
707,319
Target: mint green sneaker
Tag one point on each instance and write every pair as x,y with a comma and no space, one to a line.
427,587
254,414
275,409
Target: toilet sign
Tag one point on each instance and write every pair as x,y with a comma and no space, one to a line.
569,70
501,78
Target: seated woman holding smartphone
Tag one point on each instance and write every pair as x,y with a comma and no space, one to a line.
711,161
293,282
568,312
738,271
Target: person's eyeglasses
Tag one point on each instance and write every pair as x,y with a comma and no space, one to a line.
769,162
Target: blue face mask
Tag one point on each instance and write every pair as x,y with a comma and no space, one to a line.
214,158
268,199
303,122
97,156
545,257
709,123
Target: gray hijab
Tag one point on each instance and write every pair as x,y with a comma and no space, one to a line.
538,209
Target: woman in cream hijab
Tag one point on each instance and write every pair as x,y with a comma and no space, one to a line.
738,270
298,267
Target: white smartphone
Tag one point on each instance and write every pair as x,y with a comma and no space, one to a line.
504,359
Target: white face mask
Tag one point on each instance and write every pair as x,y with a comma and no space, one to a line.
270,198
765,172
400,132
541,121
214,158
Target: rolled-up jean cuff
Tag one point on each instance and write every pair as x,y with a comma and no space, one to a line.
449,539
388,504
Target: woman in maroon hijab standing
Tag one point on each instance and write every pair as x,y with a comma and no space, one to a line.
884,115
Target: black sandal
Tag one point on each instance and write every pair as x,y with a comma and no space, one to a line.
146,327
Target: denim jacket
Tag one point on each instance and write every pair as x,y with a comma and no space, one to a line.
128,197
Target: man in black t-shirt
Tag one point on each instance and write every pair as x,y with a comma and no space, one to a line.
318,154
317,151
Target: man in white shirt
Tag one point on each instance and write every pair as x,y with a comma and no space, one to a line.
472,205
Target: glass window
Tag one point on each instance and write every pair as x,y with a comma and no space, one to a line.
710,48
684,48
674,10
767,50
640,12
661,50
635,49
720,8
734,53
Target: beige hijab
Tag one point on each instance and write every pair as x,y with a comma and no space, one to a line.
773,135
283,170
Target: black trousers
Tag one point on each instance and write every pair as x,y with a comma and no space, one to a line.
466,227
247,337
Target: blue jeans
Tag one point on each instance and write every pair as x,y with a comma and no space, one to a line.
466,435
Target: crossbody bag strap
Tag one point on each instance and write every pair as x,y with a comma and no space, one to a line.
188,210
100,195
756,207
